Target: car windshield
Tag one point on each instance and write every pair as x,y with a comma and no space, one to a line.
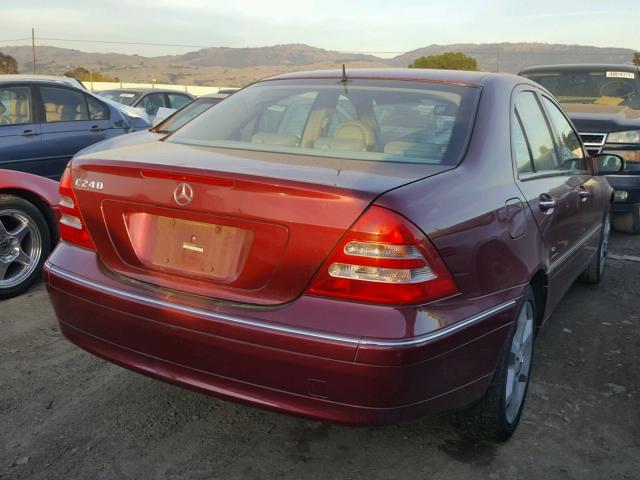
185,114
599,87
379,120
125,98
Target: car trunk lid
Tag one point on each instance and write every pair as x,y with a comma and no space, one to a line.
247,227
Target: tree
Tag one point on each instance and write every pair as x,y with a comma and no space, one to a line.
447,61
85,75
636,59
8,64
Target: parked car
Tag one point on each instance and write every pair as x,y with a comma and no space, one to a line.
44,123
150,100
360,249
162,129
604,103
28,230
74,82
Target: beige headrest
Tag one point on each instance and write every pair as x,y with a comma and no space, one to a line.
356,130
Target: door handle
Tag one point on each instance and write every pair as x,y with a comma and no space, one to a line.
30,133
584,194
547,204
96,128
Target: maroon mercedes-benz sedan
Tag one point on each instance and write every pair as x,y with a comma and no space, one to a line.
361,248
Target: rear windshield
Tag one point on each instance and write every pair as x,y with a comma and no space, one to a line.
394,121
186,113
125,98
600,87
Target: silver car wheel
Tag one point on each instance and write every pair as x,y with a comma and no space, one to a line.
20,247
519,366
606,230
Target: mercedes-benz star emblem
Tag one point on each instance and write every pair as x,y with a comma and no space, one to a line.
183,194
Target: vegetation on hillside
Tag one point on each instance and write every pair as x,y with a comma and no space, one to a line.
8,64
446,61
85,75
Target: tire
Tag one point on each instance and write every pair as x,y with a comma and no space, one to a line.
496,416
594,272
25,244
627,222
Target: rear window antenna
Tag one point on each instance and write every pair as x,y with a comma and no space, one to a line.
344,80
344,74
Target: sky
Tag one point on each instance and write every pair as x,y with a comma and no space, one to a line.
381,27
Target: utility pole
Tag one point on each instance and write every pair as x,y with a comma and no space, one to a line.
33,48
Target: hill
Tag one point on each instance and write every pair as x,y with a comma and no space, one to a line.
239,66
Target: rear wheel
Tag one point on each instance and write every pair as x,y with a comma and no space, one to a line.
595,270
25,243
496,416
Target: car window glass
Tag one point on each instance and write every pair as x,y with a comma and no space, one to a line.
521,153
398,121
344,112
287,117
569,145
537,133
63,105
177,100
189,112
97,110
15,105
152,102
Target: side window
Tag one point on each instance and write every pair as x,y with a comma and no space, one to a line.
15,105
521,153
151,103
569,146
63,105
177,100
97,110
537,133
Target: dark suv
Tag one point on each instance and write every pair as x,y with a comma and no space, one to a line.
603,101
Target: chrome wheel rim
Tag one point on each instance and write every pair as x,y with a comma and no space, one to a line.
20,247
606,231
519,366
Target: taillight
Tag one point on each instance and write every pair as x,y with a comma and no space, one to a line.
386,259
72,227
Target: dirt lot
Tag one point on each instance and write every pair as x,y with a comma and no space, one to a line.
65,414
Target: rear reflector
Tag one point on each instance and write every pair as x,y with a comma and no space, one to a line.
386,259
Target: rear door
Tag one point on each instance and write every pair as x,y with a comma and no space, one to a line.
72,121
151,102
550,188
572,161
20,141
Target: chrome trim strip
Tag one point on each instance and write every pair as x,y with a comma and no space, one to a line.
573,249
411,342
270,326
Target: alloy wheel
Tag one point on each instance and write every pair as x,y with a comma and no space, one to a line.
605,243
20,247
519,366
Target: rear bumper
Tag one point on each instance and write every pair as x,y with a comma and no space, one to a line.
334,376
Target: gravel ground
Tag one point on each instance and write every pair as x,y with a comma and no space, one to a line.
65,414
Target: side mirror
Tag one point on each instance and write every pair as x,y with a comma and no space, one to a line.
607,164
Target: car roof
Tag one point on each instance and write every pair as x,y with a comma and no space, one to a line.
214,95
579,67
411,74
42,78
144,90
